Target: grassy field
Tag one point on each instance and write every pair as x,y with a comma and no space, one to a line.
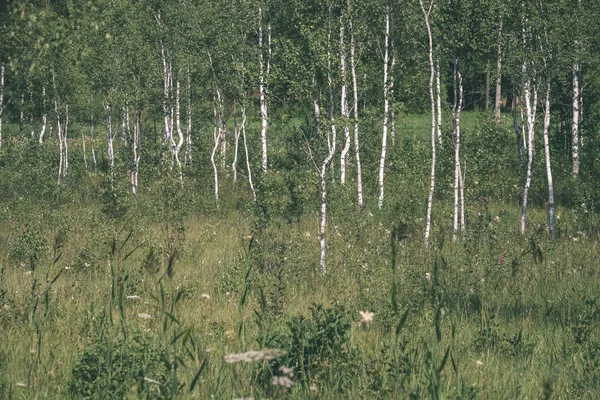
149,304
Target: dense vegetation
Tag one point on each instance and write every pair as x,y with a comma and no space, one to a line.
163,287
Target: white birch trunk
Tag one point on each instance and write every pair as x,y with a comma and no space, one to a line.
44,118
456,110
247,154
385,105
109,136
575,127
1,99
92,144
167,108
188,141
60,142
136,156
530,107
462,176
85,163
21,116
344,105
331,135
438,96
426,14
498,103
216,137
548,164
322,175
355,110
236,140
177,146
66,143
263,98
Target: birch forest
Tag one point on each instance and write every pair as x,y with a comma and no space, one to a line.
268,199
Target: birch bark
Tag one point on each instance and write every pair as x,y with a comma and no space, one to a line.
322,226
247,154
438,96
44,118
426,14
359,188
262,93
2,106
548,164
456,110
498,103
530,107
575,126
385,105
344,105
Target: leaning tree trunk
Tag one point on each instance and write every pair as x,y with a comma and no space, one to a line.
548,165
66,143
359,188
344,106
60,142
385,105
92,144
109,136
426,14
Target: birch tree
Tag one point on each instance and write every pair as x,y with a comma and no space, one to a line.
385,105
353,62
458,181
426,15
344,104
263,79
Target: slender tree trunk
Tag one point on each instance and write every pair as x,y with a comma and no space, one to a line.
462,176
85,163
355,110
21,116
548,165
317,113
456,110
322,174
438,97
2,106
109,137
44,118
92,144
530,108
60,142
575,127
498,104
236,140
188,141
66,143
177,146
344,105
216,137
391,96
166,106
385,105
487,88
247,154
263,97
331,135
426,14
136,156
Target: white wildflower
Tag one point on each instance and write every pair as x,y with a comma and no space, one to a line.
134,297
286,371
144,316
366,318
21,384
150,380
205,296
254,355
282,381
